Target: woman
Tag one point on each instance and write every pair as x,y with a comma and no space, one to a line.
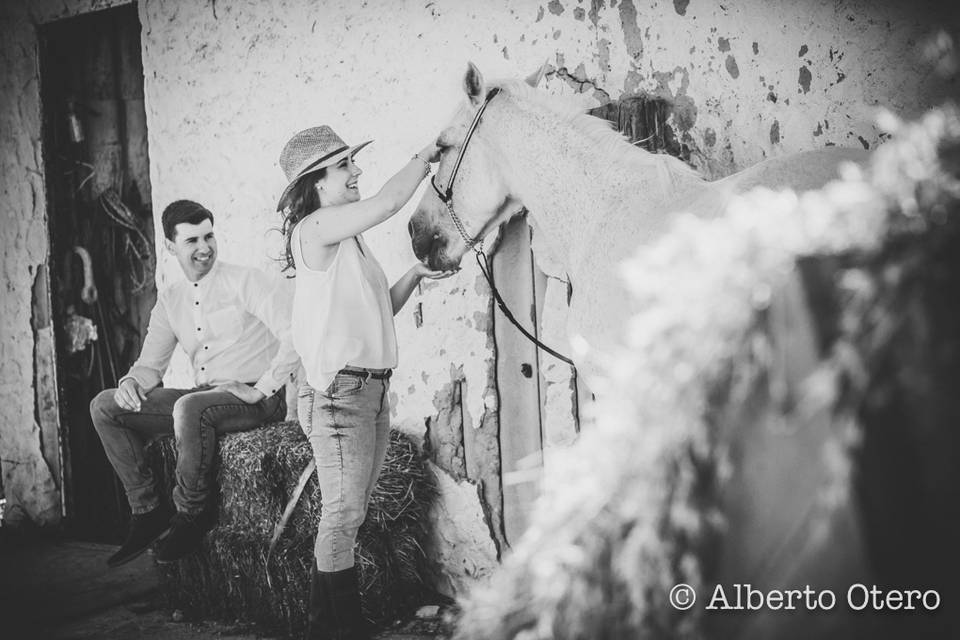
343,330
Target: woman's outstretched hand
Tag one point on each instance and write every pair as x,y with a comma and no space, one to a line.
402,288
421,270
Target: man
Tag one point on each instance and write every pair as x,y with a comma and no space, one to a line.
234,325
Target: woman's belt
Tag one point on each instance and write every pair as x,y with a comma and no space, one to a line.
370,374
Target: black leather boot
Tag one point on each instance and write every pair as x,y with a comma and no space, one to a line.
319,624
144,530
345,611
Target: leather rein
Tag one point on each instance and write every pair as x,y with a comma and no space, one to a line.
476,243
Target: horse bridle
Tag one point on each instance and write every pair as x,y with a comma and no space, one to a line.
446,197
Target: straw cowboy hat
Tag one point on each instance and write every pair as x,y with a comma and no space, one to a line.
311,150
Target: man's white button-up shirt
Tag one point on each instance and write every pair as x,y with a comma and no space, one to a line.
234,324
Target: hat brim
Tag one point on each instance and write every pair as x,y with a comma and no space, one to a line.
318,164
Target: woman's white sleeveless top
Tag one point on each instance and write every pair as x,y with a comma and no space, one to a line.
342,315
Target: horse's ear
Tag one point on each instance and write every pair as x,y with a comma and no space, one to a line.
473,84
534,79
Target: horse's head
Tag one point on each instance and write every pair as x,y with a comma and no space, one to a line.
481,194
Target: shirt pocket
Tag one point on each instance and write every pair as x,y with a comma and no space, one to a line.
226,324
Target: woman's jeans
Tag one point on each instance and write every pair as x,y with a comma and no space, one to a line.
348,426
195,417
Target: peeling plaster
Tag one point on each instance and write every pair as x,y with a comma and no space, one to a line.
459,546
633,38
804,80
709,137
731,64
594,14
603,54
444,437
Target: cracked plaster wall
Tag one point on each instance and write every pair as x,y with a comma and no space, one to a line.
227,82
750,79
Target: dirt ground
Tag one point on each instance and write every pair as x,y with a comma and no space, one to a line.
57,589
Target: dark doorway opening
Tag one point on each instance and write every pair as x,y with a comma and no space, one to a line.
101,239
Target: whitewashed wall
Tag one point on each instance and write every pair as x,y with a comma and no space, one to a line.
227,82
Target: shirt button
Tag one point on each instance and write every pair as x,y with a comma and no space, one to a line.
198,328
197,302
203,368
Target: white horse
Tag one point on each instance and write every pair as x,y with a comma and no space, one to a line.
593,199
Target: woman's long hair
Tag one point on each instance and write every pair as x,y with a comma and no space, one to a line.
299,202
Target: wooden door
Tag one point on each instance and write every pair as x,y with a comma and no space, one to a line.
538,406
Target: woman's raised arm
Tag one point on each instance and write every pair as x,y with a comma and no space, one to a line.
329,225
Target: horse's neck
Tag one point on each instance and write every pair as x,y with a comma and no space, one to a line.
579,196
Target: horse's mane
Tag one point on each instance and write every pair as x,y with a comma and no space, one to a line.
612,145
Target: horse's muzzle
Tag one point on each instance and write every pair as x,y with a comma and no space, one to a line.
427,243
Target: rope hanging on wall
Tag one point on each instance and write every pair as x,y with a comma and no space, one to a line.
136,246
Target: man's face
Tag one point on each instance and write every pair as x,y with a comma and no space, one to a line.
194,247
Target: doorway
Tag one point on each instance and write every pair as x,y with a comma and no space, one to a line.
102,256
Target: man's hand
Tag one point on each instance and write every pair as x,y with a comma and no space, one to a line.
245,392
129,394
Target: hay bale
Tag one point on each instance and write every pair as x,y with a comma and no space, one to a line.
257,471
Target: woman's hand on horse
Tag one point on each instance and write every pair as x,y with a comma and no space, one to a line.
431,152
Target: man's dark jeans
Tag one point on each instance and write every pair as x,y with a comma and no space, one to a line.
196,417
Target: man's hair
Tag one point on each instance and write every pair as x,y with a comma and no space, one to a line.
183,211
